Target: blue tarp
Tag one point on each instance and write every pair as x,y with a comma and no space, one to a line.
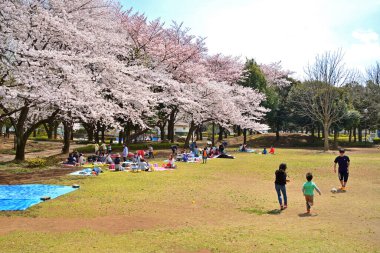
21,197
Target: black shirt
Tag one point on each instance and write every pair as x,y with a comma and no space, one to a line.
280,177
343,162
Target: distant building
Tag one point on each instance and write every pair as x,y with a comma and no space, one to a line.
181,128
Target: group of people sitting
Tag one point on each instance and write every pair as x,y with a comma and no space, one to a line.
103,156
244,148
75,159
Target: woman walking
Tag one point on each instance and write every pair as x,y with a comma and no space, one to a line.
280,186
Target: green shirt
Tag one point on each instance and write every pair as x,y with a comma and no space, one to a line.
309,188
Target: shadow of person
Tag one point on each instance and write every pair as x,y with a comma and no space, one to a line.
274,212
307,215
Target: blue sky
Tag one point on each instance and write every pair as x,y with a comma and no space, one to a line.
290,31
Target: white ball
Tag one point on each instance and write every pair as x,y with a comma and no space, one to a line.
334,190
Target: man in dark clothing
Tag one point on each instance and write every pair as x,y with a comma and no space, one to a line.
343,162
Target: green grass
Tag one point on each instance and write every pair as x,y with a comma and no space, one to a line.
223,206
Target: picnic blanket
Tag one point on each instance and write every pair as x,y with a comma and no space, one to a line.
85,172
161,169
21,197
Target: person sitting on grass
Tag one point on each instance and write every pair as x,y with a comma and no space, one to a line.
171,162
280,185
101,158
70,160
264,151
109,159
271,151
221,149
185,157
117,161
81,159
308,191
143,165
136,158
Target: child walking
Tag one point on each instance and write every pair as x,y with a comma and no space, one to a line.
204,155
308,191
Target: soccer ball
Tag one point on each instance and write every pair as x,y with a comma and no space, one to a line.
334,190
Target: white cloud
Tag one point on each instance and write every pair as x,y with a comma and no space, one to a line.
366,36
365,50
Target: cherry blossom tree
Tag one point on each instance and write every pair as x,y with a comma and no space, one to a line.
89,61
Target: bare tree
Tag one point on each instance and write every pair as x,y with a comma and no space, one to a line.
320,102
329,68
373,73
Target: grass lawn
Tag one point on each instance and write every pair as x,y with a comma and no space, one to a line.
224,206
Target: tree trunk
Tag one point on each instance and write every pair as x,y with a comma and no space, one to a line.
245,136
96,136
55,132
200,132
72,133
221,130
127,133
67,128
121,133
225,134
171,123
102,132
350,135
90,129
7,131
190,134
326,128
360,134
22,134
49,130
335,138
20,147
162,132
213,134
239,131
319,132
354,130
35,133
277,134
